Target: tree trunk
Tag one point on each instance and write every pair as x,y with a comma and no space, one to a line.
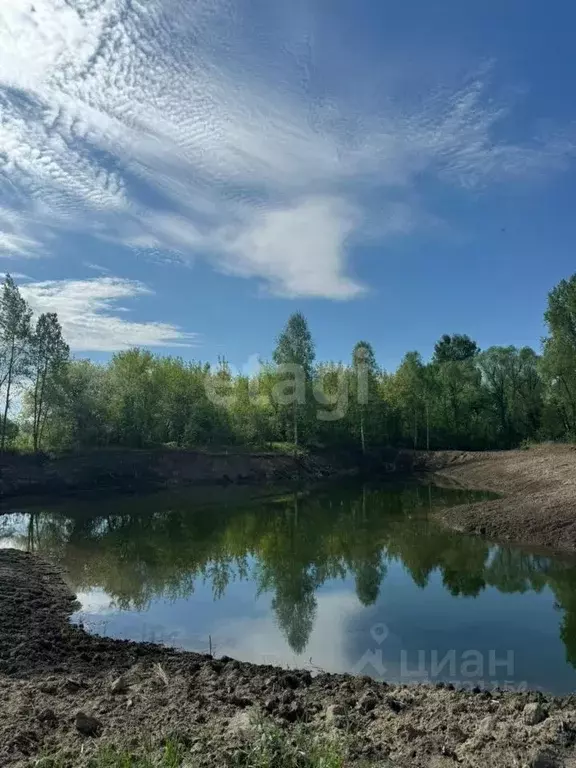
37,412
295,426
427,426
37,427
362,435
35,417
41,425
7,403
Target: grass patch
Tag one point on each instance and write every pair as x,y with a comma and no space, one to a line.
267,746
273,748
171,755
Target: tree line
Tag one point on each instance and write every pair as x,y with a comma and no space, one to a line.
463,397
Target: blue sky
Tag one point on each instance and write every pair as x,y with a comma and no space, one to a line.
183,175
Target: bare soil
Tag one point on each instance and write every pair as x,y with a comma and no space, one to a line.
538,488
66,692
130,469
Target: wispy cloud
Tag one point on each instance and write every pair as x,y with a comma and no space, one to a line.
14,241
12,245
18,275
165,128
97,268
88,311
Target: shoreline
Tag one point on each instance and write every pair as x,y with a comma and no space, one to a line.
117,470
51,670
536,488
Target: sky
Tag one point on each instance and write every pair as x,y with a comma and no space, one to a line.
184,174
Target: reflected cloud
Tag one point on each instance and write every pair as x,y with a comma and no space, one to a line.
261,640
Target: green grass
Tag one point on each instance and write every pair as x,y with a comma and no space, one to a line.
266,747
273,748
170,756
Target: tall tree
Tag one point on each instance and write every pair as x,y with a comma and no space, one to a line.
48,354
15,315
365,371
559,359
295,354
408,393
133,395
458,387
455,348
77,406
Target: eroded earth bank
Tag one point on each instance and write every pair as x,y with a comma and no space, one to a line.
537,487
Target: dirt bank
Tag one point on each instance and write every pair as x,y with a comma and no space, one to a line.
538,487
51,671
118,469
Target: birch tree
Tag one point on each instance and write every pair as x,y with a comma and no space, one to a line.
15,316
48,355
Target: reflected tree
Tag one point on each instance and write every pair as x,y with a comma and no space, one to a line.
139,550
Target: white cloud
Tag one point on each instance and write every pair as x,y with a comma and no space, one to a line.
258,639
108,106
86,311
298,250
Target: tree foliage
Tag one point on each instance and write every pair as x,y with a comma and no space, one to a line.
559,359
295,354
454,348
461,398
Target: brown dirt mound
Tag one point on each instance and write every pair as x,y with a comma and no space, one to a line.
538,506
50,671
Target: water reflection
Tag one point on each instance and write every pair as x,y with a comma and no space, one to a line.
138,552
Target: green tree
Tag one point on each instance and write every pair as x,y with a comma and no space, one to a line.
295,355
48,354
455,382
559,359
514,393
133,397
408,394
75,406
15,316
455,348
365,370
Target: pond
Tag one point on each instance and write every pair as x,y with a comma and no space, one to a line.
354,579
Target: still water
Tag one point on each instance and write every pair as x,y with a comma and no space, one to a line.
357,579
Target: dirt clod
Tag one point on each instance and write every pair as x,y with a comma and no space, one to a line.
87,724
367,702
119,686
533,713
